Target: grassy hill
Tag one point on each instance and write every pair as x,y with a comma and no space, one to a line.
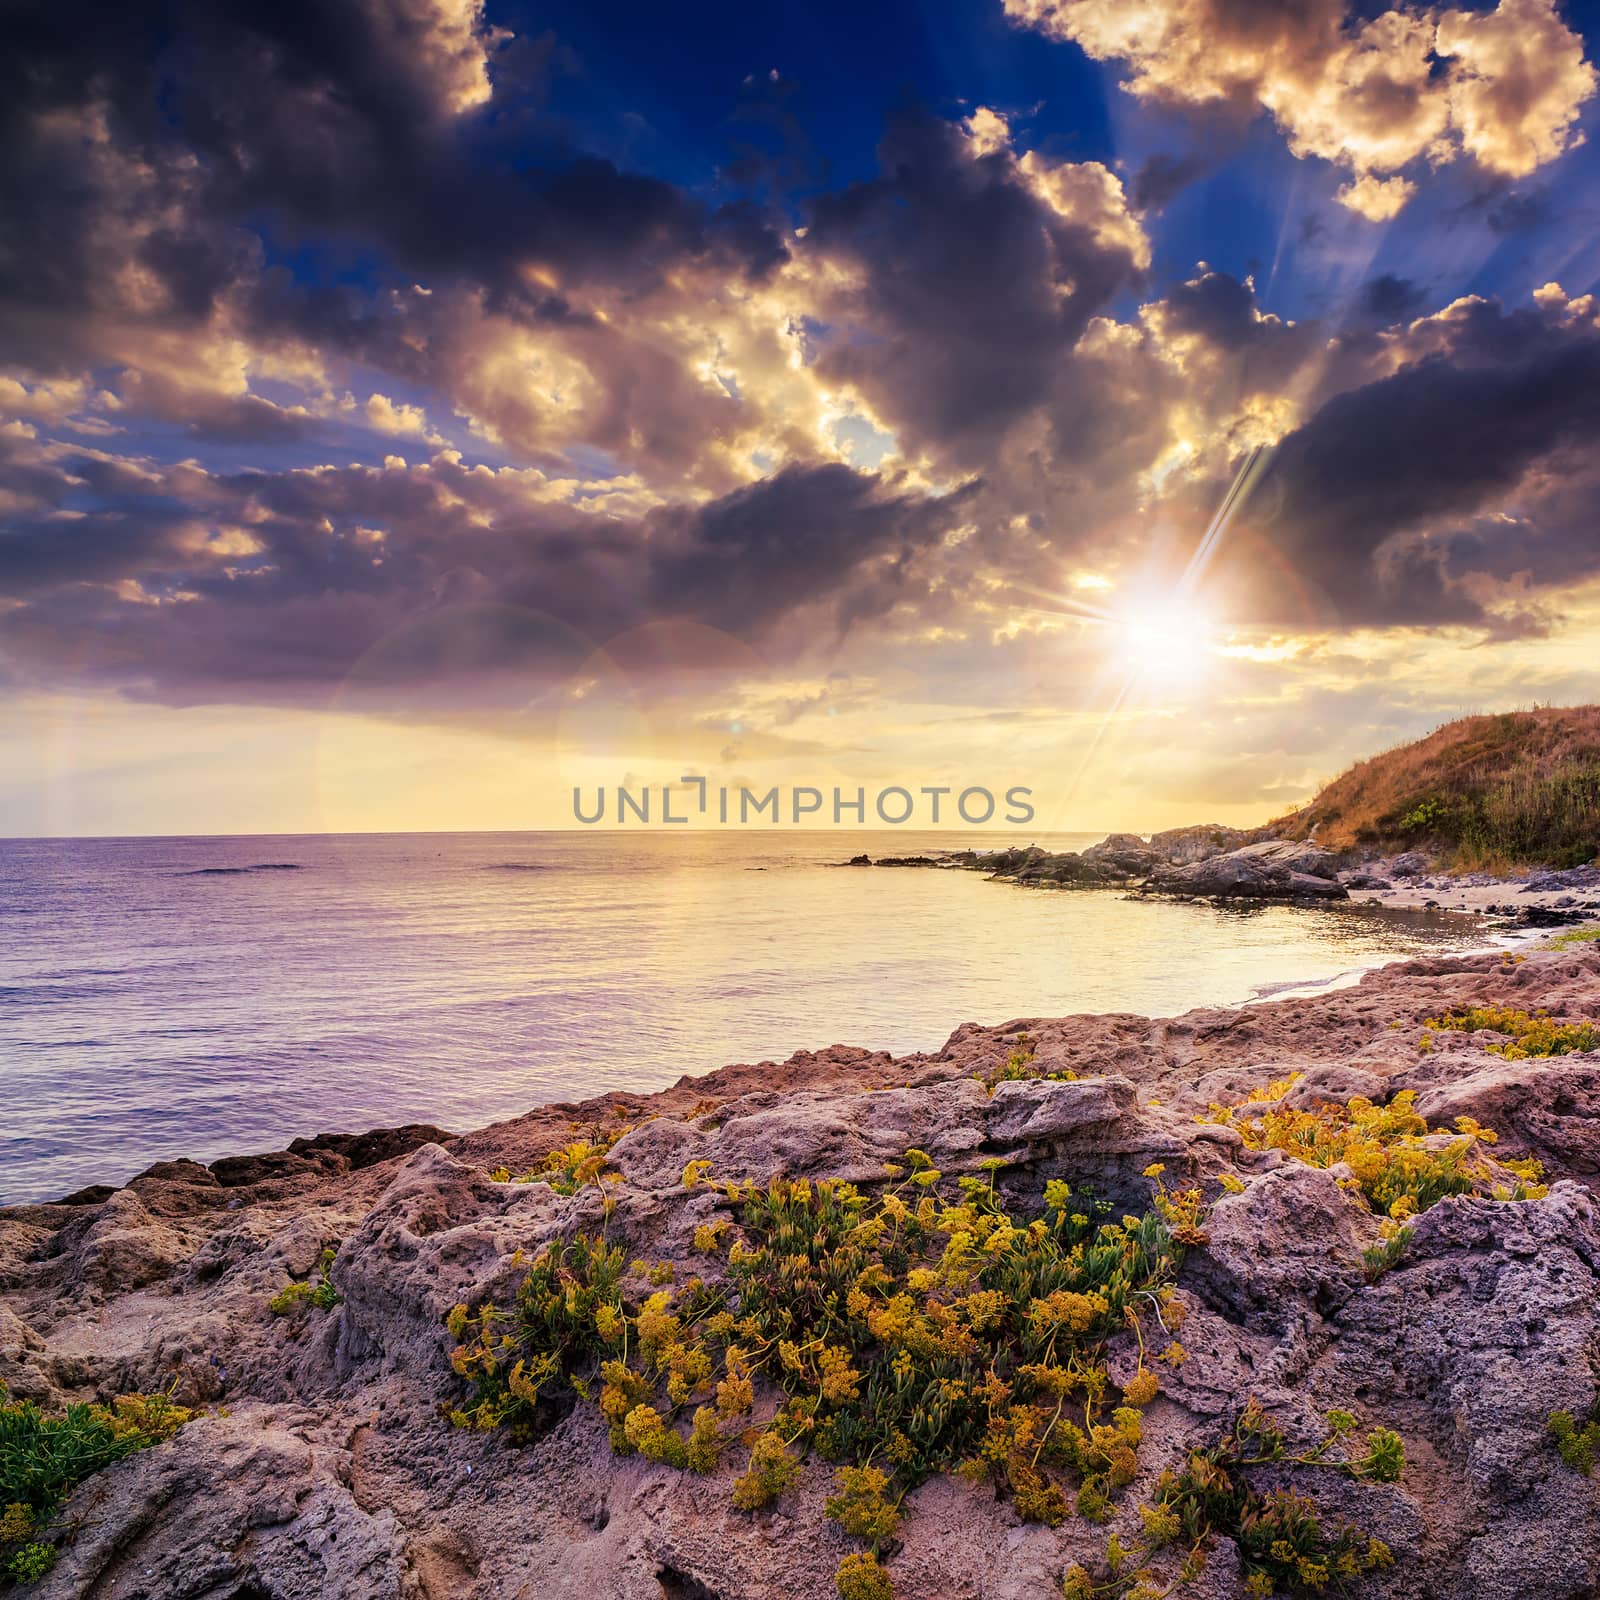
1518,789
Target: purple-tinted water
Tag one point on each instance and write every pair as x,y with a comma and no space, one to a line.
201,997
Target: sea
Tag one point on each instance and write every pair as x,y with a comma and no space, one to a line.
215,996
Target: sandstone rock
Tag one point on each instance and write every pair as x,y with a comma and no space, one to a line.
1040,1112
1550,1107
266,1513
125,1247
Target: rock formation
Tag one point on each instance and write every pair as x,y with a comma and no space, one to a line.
1274,869
326,1469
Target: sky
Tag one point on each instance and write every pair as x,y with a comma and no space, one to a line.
413,410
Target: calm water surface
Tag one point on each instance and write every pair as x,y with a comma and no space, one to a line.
202,997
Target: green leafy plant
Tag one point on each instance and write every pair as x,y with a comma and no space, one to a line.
316,1291
1575,936
1578,1443
1286,1545
1021,1065
44,1456
1427,816
1387,1254
1397,1170
574,1166
861,1578
898,1335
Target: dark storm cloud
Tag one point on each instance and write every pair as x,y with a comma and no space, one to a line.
1389,298
350,119
1365,499
288,581
971,286
1163,176
1217,307
753,556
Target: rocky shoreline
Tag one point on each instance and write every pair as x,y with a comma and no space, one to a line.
321,1464
1211,861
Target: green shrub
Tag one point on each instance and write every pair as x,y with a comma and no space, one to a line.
1578,1445
1424,817
1526,815
861,1578
316,1291
903,1334
1286,1545
43,1457
32,1561
1395,1171
1387,1254
1527,1035
575,1166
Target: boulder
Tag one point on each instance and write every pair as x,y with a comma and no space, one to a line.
1287,1248
1126,853
1275,869
1184,846
1068,868
125,1247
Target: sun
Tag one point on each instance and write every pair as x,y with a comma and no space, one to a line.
1167,646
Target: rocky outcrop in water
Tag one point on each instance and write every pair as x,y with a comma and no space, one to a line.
1126,853
1184,846
1274,869
327,1470
1188,862
1030,864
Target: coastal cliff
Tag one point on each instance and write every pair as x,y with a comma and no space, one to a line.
1406,1310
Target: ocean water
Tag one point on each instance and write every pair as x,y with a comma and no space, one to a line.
203,997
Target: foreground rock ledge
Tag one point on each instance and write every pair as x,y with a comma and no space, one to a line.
331,1473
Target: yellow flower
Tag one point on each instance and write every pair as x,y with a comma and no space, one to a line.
1141,1388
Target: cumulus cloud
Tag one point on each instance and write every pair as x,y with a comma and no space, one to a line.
1401,89
195,586
653,399
389,416
1517,78
953,285
1390,500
